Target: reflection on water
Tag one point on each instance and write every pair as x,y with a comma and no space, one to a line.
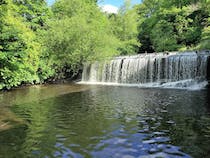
27,95
37,92
118,122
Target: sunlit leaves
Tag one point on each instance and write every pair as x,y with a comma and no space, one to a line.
184,24
79,32
19,50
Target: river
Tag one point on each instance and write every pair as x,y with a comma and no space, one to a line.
76,121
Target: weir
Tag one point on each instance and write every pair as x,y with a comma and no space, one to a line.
154,70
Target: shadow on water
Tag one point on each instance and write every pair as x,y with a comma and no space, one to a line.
37,92
111,122
29,94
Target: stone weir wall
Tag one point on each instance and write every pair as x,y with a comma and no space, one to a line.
150,68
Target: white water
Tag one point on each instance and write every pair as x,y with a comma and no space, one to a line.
184,70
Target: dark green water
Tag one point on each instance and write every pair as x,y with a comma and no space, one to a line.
76,121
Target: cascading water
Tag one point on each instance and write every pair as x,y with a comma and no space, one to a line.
173,70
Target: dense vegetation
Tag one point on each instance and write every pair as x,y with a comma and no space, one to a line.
39,43
174,25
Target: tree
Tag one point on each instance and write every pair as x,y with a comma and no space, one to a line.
34,12
147,20
172,25
78,32
124,26
205,36
18,49
163,37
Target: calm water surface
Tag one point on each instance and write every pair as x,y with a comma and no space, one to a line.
76,121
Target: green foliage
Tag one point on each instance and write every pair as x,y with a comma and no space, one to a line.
78,32
124,26
205,36
38,43
163,37
34,12
18,49
19,45
205,40
172,25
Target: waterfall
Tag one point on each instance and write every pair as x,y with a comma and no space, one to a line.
180,70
